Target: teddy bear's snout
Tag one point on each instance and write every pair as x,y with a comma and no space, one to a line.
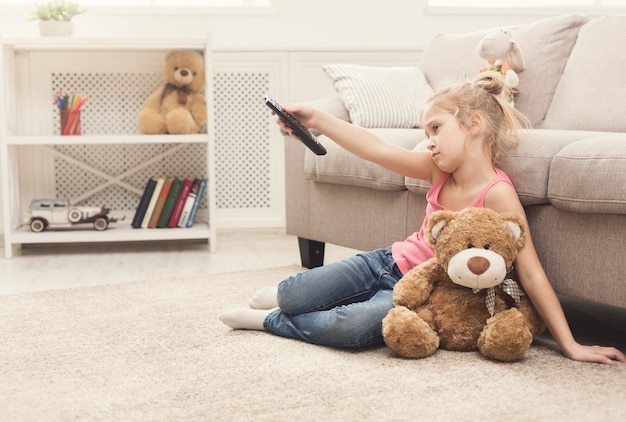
183,76
478,265
476,268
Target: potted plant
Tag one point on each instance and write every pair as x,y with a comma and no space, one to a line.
55,17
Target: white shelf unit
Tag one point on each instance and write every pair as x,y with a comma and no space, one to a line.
27,124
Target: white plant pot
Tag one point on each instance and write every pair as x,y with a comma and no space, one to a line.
56,28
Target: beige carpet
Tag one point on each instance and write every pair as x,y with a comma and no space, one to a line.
156,351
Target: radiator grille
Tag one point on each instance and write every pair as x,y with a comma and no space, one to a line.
243,172
242,140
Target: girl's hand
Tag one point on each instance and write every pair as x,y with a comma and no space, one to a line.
597,354
303,113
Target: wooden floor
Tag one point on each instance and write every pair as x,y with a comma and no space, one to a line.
44,267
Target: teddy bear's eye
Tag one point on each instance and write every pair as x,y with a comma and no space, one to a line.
470,245
194,73
176,68
486,246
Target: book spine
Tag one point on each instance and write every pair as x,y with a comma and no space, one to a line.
152,204
170,202
196,205
180,203
191,199
143,203
158,208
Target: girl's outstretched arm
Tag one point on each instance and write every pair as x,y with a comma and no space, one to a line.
364,143
502,197
541,293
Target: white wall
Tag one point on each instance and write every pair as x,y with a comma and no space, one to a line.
298,25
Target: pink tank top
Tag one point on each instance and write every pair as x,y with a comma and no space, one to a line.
415,249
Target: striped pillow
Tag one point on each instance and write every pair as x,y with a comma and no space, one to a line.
381,97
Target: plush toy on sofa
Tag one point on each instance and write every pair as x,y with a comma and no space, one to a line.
503,55
178,107
460,299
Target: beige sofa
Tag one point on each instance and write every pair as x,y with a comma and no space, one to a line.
570,169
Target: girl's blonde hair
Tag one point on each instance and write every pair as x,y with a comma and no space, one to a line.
483,96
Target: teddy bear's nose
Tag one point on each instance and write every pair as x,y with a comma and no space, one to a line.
478,264
184,72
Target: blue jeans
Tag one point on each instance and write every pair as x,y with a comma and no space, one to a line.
341,304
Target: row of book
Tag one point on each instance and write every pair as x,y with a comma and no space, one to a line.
169,202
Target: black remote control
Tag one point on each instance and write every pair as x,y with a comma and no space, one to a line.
303,133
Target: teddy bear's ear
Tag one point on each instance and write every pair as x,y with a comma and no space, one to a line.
515,223
480,48
169,54
515,229
436,222
515,58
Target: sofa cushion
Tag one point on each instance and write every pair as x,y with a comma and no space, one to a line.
528,165
592,92
390,97
588,176
342,167
545,45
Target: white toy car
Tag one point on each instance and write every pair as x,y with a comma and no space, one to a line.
50,213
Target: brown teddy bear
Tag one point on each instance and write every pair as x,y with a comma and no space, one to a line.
178,107
460,299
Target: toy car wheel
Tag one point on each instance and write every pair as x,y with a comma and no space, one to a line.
37,225
74,215
100,224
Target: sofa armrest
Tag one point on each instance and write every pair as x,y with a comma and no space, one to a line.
296,189
332,105
297,185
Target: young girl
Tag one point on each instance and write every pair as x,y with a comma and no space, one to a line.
343,304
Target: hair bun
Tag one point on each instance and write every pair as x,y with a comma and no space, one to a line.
492,82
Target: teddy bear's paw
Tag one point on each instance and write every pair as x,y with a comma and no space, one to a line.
408,335
506,336
533,319
414,288
151,123
180,122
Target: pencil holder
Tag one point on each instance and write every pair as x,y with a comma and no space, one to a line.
70,122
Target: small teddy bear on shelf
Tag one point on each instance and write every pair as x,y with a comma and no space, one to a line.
504,56
178,107
461,299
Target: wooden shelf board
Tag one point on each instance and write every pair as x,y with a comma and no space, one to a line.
106,139
117,232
